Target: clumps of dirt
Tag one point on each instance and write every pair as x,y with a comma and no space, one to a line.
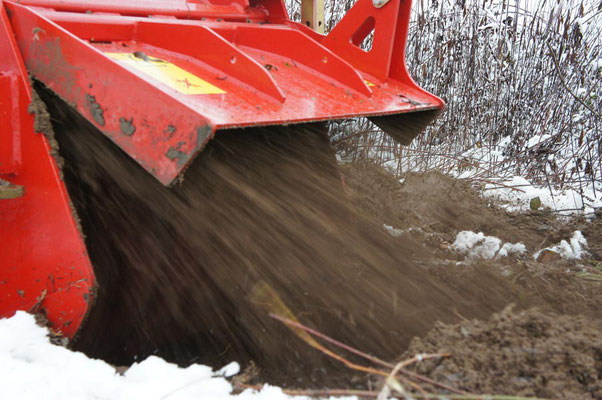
525,353
53,337
43,125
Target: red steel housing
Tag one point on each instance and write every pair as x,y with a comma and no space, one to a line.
159,78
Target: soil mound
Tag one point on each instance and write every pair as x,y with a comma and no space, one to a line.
525,353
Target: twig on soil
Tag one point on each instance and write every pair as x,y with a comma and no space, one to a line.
392,383
328,339
376,360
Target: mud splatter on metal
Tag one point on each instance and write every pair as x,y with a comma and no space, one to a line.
95,110
127,126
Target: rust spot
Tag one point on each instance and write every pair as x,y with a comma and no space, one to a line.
127,126
95,110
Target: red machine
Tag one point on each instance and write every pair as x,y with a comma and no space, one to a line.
159,78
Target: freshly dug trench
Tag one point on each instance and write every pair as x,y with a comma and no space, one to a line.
178,268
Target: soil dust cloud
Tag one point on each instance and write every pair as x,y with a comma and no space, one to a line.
179,269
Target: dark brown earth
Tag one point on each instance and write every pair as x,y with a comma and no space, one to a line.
526,353
181,269
553,351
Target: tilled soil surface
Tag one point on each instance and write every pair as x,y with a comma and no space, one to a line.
526,353
261,223
552,351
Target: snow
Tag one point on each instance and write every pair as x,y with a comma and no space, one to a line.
536,140
478,245
33,368
517,192
394,231
512,248
574,249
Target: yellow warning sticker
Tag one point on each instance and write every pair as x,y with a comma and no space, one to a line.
166,73
370,84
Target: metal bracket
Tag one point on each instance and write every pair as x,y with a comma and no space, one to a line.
312,14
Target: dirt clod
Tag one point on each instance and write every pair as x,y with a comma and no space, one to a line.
525,353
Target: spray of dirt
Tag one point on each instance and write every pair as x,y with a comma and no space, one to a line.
178,267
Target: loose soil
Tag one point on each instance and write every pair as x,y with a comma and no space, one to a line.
552,351
261,223
526,353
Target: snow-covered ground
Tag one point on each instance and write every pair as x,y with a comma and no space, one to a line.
33,368
517,192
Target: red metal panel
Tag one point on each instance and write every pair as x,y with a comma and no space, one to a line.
44,266
10,142
230,10
10,115
349,33
313,55
204,44
159,77
163,135
262,74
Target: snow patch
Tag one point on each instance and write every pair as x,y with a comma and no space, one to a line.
33,368
574,249
517,192
478,245
393,231
512,248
